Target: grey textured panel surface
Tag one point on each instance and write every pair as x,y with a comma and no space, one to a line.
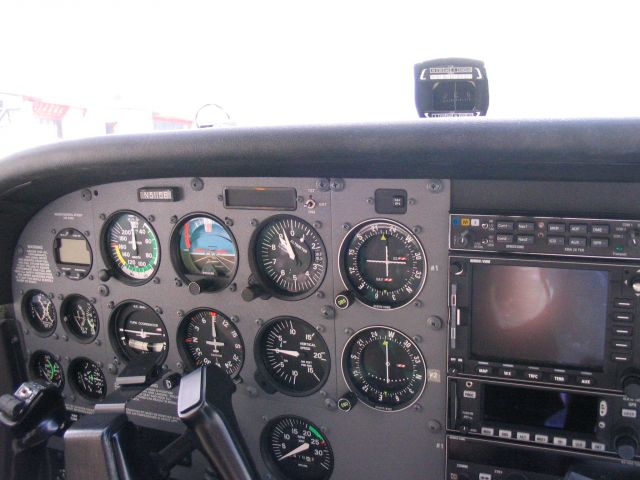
366,443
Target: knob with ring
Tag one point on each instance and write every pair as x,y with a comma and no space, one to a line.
462,239
626,444
631,385
634,237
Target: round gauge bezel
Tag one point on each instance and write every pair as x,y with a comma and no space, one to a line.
83,270
76,388
69,329
266,282
264,371
32,371
356,390
30,321
176,261
184,354
265,443
345,278
113,268
115,338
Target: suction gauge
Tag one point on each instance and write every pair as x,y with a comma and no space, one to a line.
204,253
39,311
383,264
130,247
80,318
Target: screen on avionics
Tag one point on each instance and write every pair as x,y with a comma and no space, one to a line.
536,315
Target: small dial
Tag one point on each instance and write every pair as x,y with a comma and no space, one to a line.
131,247
87,379
293,356
40,312
207,337
289,258
383,263
204,251
80,318
44,366
137,330
384,368
295,449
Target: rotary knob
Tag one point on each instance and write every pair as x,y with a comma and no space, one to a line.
626,444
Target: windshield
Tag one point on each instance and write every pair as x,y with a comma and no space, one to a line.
72,69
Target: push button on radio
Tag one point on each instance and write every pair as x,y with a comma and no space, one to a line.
503,226
555,241
533,376
507,372
525,226
622,303
585,381
579,228
578,242
559,378
525,239
484,370
623,317
556,227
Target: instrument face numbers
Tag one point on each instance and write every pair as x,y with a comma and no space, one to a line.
131,247
383,264
208,337
289,257
80,318
87,378
296,449
293,356
44,366
384,368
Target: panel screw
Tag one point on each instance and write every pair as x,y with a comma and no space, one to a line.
90,277
60,296
98,342
412,201
434,426
346,226
156,280
337,184
320,328
320,294
110,305
254,222
220,198
259,321
228,222
158,310
180,313
434,322
151,218
65,338
370,200
93,300
322,393
328,311
56,336
173,219
178,282
330,403
86,195
102,217
112,369
435,186
417,407
252,391
348,331
53,230
417,229
234,318
58,274
417,338
323,429
103,290
322,184
233,287
197,184
300,199
179,365
87,233
317,224
417,304
264,418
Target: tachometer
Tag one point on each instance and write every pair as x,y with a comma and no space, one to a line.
295,449
383,263
40,312
44,366
130,247
87,378
206,337
288,257
204,253
136,329
293,356
80,318
384,368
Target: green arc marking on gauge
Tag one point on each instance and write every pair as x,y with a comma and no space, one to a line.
315,432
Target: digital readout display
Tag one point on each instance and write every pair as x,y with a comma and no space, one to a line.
552,316
74,251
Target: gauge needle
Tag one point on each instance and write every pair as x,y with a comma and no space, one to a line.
291,353
302,448
134,243
141,333
386,355
287,244
386,258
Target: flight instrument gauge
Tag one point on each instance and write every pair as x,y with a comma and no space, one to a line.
40,312
87,378
204,253
44,366
136,329
206,337
384,368
295,449
288,257
80,318
383,264
292,356
130,247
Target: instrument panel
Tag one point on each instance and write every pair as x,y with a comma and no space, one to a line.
324,301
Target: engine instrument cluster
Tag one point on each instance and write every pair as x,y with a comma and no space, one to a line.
326,313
